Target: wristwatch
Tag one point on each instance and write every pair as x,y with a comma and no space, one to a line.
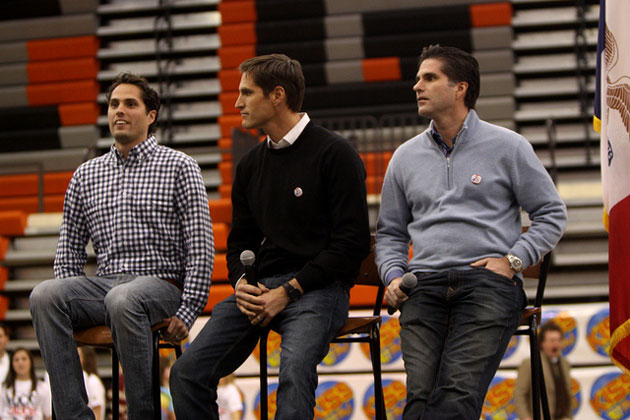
515,262
293,293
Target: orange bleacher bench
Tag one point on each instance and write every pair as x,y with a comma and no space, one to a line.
221,210
12,222
52,203
28,184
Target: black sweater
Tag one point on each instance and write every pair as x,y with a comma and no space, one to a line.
302,208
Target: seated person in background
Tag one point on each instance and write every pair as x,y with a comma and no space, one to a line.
166,401
4,356
299,204
22,395
93,384
229,399
556,370
145,209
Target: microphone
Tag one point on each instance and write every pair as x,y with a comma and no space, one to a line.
247,259
409,281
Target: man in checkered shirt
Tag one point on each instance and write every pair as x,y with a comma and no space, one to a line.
145,209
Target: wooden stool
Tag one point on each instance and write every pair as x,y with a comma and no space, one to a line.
101,336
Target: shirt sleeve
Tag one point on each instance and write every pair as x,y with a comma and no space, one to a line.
392,235
45,402
194,213
71,255
245,233
536,193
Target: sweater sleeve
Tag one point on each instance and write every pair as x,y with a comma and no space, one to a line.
245,233
536,193
344,178
392,236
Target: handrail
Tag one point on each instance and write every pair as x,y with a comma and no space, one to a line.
164,66
582,75
551,141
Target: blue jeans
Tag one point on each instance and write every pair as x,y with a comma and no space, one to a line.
455,327
128,305
226,341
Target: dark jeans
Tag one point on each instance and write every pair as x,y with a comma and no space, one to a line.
455,328
306,326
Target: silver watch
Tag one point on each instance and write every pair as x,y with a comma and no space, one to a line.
515,262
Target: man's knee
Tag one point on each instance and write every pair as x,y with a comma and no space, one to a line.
186,370
120,303
43,295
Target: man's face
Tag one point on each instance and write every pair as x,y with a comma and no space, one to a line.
257,110
4,340
435,94
127,115
552,344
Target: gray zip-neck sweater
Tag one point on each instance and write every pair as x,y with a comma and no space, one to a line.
460,209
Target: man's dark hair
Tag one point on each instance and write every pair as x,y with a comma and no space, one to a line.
458,66
547,327
4,328
269,71
150,97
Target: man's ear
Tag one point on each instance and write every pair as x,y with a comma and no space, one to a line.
278,95
462,88
151,116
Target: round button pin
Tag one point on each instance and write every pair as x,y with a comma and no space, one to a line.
298,192
475,179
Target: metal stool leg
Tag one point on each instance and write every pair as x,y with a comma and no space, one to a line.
115,387
264,405
375,354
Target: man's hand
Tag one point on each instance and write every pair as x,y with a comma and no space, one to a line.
248,299
498,265
176,330
274,302
394,296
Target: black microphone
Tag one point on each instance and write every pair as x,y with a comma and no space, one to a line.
409,281
247,259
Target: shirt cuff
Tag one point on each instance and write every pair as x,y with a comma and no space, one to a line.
393,273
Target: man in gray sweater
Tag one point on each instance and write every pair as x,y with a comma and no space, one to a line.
455,193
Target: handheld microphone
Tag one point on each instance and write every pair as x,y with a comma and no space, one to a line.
409,281
247,259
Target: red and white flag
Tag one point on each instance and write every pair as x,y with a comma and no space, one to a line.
614,95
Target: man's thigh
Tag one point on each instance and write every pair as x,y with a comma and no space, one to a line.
424,327
308,325
150,296
486,310
81,297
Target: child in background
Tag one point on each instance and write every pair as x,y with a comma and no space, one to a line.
22,395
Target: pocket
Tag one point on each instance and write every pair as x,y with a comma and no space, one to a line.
509,280
156,214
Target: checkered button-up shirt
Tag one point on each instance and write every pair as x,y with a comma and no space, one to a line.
146,215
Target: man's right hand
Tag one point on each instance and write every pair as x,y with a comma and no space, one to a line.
394,296
247,300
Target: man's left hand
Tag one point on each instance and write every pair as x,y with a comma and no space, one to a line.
176,330
498,265
275,301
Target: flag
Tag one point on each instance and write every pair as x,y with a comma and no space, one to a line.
612,108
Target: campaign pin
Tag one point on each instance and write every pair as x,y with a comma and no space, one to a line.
298,192
475,179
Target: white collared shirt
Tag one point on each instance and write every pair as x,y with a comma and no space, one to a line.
292,135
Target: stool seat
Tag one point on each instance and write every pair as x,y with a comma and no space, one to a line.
101,335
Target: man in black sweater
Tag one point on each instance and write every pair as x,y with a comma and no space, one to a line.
299,203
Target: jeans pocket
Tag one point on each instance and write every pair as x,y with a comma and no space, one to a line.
509,280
